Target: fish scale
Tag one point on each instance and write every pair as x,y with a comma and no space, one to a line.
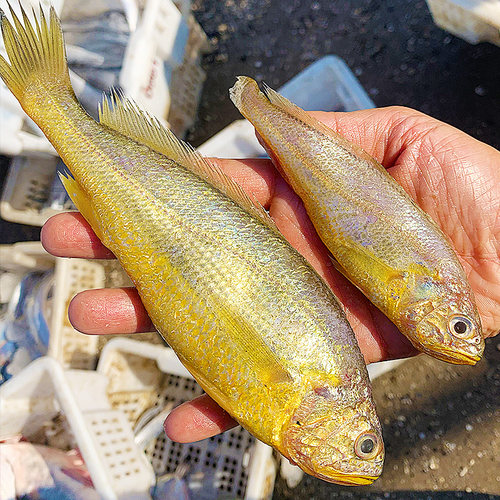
377,235
254,323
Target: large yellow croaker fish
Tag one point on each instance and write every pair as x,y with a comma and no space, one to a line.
246,314
379,238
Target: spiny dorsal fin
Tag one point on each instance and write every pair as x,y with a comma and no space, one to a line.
292,109
245,88
125,116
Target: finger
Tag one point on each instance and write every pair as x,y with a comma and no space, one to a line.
70,235
198,419
256,176
109,310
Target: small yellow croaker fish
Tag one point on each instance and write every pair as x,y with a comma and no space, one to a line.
246,314
379,238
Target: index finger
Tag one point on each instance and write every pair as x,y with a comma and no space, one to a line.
70,235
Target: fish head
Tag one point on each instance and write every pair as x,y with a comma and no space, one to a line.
335,435
446,323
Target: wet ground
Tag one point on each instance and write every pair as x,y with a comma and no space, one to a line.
393,47
441,422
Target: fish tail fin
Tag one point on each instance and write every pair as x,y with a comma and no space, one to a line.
37,59
243,92
246,92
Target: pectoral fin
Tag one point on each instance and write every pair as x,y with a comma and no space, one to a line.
361,258
254,350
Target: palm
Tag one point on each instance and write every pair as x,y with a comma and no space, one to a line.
453,177
456,180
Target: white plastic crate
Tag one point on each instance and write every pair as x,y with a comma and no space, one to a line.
104,437
72,348
161,69
24,257
27,189
143,379
473,20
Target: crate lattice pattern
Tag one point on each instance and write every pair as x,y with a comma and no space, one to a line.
215,466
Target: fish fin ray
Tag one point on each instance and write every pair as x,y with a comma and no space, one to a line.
36,54
82,202
295,111
245,84
212,390
125,116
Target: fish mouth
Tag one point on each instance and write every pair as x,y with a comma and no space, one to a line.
331,475
348,480
455,357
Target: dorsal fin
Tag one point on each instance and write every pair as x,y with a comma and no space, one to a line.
245,86
124,116
294,110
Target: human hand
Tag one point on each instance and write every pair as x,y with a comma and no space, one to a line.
453,177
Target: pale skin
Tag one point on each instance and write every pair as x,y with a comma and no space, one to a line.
453,177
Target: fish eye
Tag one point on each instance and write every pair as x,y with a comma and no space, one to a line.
366,446
460,326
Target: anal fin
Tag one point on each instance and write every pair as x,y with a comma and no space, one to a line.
82,201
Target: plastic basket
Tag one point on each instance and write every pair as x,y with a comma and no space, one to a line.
43,390
72,348
473,20
143,379
24,257
27,189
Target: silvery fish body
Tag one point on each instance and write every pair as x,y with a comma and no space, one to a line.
247,315
378,237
